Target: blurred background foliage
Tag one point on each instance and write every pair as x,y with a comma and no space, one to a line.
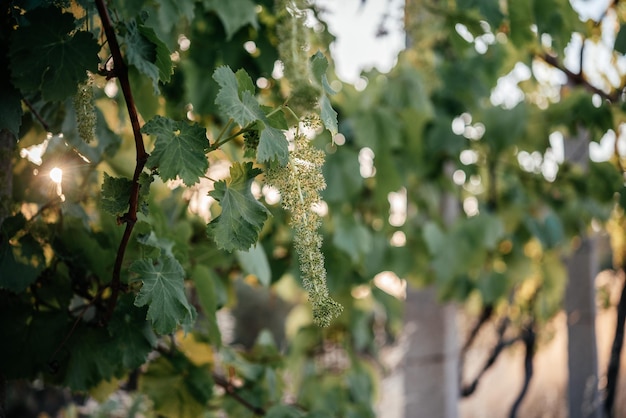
480,106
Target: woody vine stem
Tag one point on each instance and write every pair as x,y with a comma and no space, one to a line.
120,70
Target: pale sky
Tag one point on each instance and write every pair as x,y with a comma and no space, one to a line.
355,24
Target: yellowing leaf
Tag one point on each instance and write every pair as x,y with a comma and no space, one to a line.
197,352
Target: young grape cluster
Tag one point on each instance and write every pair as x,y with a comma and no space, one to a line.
85,111
250,142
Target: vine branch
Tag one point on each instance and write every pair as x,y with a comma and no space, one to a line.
616,350
36,114
501,344
528,337
577,79
482,320
120,70
231,391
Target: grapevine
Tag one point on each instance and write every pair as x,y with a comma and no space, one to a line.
179,216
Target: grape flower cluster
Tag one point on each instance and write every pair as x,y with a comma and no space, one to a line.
299,183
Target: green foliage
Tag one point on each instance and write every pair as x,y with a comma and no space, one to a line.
115,194
234,14
179,149
236,100
163,292
54,67
254,261
177,387
21,263
118,273
148,53
242,217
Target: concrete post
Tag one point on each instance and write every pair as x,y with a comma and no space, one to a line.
431,362
580,306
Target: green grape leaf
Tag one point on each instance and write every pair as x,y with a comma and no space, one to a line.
434,237
115,194
10,106
236,100
319,65
493,286
33,336
163,60
490,9
148,53
141,53
132,334
521,19
143,93
504,126
272,145
94,357
276,119
56,66
343,168
234,14
179,149
486,227
254,261
94,252
145,180
164,245
171,11
558,19
352,237
328,115
237,103
11,226
242,217
20,264
205,280
164,292
244,82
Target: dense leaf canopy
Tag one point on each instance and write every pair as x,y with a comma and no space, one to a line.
173,167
